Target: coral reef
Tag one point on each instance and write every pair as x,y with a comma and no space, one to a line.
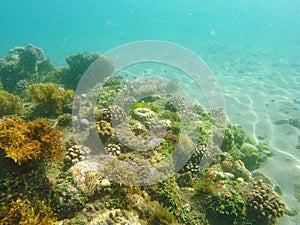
65,197
113,114
116,216
9,103
76,153
237,144
105,130
113,149
35,140
230,209
149,131
50,100
143,115
263,204
78,63
235,196
22,63
86,177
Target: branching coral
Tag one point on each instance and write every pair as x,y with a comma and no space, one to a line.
35,140
49,99
263,204
76,153
9,103
86,177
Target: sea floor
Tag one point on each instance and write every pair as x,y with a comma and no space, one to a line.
261,89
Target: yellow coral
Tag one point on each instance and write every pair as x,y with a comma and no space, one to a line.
9,103
23,141
49,98
24,212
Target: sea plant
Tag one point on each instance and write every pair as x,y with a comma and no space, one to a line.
50,99
24,212
23,141
9,103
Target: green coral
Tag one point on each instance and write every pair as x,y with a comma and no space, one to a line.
253,156
167,194
66,199
225,209
241,147
159,215
234,136
50,100
9,103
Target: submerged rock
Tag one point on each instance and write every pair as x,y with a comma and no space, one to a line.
23,63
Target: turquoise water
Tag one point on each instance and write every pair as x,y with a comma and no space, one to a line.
65,27
251,46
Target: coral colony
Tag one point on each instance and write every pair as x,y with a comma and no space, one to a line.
46,177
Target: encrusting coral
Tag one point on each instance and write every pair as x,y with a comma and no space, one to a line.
50,99
34,140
